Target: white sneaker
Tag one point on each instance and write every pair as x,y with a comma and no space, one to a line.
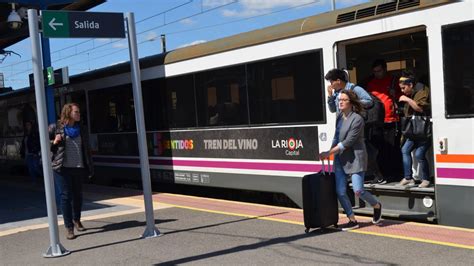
407,182
424,184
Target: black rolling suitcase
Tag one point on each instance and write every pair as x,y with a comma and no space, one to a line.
320,207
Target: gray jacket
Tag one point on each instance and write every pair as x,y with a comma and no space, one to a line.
351,135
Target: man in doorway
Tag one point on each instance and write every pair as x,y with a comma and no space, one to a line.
338,81
386,139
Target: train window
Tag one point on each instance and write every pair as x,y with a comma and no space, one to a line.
286,90
222,97
117,106
3,118
458,55
170,103
180,102
11,121
153,104
14,112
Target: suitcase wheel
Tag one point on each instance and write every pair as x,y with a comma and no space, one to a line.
306,230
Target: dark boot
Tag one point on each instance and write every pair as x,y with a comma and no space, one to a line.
70,233
79,226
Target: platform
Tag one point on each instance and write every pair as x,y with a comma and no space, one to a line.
212,232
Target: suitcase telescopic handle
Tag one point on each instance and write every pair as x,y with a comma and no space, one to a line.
324,168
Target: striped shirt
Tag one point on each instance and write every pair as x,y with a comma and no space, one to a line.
73,153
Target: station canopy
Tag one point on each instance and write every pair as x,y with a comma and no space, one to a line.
10,36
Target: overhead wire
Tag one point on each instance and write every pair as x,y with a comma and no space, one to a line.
148,30
89,40
106,44
234,21
177,32
239,20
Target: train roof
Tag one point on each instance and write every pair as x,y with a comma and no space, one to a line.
15,92
333,19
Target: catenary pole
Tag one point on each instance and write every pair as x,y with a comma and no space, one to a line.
55,249
151,230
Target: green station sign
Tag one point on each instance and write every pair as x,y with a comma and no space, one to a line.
75,24
50,75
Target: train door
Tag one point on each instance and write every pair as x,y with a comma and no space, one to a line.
405,49
453,125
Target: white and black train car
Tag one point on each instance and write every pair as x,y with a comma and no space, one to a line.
249,111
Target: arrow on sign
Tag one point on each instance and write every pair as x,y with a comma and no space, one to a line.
52,24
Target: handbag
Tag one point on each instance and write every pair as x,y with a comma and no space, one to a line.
417,127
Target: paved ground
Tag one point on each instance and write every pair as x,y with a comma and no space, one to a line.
214,232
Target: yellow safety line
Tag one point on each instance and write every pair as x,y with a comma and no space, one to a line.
129,200
300,210
230,201
60,222
413,239
443,226
351,231
119,201
235,214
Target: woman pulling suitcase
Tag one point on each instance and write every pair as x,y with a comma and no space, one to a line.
350,157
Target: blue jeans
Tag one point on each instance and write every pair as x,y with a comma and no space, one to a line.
33,164
420,155
57,189
357,186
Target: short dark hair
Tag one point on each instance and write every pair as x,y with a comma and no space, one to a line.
335,74
379,62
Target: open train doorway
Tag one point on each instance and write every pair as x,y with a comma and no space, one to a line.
407,49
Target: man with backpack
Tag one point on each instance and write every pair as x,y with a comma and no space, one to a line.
338,81
385,138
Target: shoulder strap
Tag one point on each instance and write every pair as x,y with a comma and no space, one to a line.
391,93
391,90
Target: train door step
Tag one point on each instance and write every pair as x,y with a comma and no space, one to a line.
399,214
408,203
395,187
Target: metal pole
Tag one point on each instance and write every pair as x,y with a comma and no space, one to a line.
151,230
55,249
51,112
163,43
333,5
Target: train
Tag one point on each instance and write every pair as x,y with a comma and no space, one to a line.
249,111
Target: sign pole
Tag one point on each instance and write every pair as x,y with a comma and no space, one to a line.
151,230
55,249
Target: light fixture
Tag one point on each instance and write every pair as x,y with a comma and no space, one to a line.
14,21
